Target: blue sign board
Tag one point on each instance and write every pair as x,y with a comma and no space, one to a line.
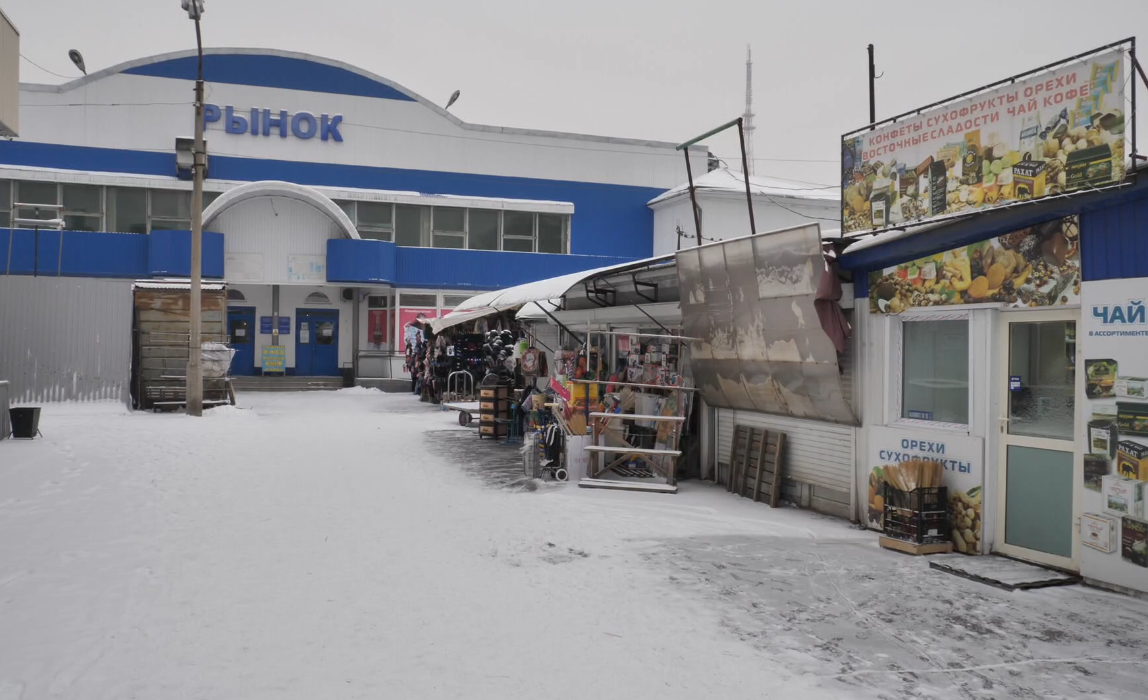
1014,382
284,325
274,358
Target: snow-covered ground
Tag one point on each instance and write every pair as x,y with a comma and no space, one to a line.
339,545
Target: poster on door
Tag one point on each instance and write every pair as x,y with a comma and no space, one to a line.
962,458
377,329
410,322
1115,414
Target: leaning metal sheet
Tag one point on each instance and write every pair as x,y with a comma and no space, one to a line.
751,302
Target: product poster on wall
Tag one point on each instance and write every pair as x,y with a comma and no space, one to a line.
377,329
412,332
961,456
1035,266
1116,413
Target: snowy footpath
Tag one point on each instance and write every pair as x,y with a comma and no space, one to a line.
336,545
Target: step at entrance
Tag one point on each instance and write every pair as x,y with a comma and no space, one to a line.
288,383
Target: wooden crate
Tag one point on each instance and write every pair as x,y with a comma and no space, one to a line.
755,464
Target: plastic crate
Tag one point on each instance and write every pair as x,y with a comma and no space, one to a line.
920,516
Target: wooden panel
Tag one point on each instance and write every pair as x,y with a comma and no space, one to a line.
754,469
815,453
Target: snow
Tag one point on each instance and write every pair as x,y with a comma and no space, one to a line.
726,180
339,545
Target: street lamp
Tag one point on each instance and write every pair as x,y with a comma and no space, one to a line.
194,10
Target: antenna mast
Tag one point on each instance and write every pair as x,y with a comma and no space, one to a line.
748,116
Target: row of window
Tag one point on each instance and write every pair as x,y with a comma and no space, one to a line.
455,227
137,210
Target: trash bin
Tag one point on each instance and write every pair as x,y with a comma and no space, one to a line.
25,421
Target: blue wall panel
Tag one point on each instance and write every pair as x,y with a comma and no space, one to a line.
608,219
88,254
350,260
480,269
274,72
169,254
1114,241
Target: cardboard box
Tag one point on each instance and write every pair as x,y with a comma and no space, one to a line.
1132,460
1134,541
1123,496
1099,531
1029,179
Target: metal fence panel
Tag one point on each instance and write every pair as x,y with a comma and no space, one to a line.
65,339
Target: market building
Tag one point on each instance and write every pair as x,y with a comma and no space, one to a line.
337,202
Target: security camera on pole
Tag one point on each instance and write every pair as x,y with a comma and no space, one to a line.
194,369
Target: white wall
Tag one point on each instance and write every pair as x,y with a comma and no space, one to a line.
727,216
376,132
272,240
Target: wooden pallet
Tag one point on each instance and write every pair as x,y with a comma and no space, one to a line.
755,464
917,549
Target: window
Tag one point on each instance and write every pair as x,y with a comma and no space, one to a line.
448,227
36,193
551,233
374,220
452,301
5,202
235,295
429,301
170,210
83,207
482,228
348,209
935,380
209,197
377,301
127,210
408,225
518,231
317,298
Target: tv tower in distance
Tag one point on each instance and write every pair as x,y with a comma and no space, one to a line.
748,116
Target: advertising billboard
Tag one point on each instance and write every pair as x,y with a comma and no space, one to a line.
1033,267
1053,132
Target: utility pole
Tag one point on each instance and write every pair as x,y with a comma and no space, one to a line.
747,118
872,87
194,337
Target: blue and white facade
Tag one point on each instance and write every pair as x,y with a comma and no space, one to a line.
325,182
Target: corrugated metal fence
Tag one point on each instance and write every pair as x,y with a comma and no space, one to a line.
65,339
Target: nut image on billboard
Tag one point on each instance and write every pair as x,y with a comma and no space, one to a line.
1051,133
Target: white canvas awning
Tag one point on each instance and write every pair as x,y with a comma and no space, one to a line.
550,289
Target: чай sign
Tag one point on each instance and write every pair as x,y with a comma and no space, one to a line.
261,122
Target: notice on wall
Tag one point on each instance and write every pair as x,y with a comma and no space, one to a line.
962,458
1115,413
1035,266
243,267
307,268
265,325
274,358
1048,134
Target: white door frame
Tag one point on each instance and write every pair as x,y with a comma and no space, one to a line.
1004,439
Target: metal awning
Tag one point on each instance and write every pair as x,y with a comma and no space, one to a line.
551,289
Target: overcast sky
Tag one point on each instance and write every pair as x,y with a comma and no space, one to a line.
665,70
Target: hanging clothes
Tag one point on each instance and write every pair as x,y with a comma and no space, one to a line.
829,311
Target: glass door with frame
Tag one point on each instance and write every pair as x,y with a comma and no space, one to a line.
1037,458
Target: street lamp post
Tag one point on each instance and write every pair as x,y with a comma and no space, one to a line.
194,340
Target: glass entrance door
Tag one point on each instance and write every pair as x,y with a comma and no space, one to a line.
1038,466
